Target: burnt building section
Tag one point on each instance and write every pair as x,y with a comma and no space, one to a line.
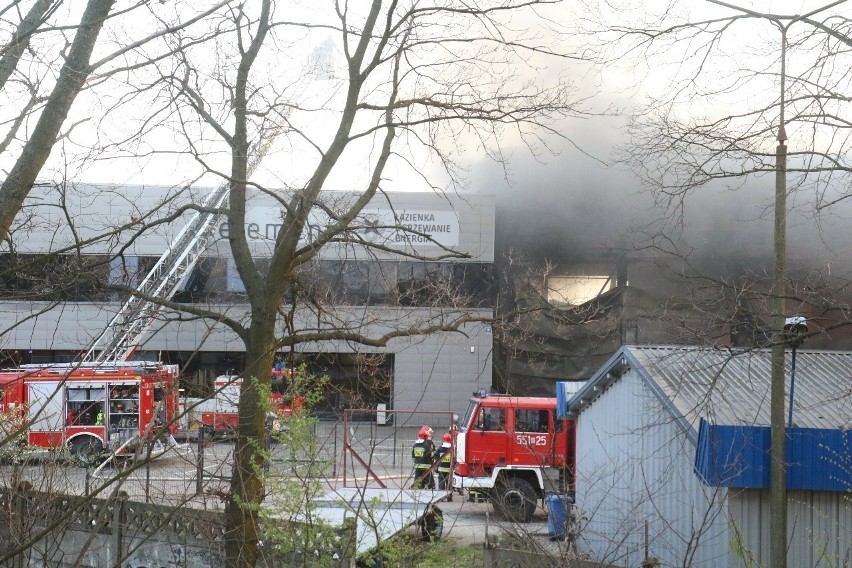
563,324
697,266
562,321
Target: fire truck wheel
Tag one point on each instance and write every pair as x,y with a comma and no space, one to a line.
515,500
85,449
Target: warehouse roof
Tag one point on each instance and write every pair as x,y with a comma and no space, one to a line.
727,386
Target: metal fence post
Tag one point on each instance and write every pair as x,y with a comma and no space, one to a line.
118,522
395,428
267,447
346,444
199,464
334,461
22,512
148,472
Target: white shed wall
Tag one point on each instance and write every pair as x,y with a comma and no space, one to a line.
635,464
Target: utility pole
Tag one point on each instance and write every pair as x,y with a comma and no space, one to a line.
777,445
778,436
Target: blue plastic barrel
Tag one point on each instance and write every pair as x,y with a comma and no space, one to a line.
558,507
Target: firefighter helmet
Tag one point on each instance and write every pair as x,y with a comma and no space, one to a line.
425,432
448,437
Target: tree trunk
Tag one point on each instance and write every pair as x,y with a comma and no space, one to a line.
21,40
247,487
37,149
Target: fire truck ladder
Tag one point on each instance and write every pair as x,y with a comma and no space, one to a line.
124,333
121,337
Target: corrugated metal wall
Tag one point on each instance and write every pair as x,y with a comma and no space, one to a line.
634,464
819,527
738,456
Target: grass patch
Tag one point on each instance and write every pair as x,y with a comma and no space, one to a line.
409,552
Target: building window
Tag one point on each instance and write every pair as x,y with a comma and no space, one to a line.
124,270
233,282
577,290
52,277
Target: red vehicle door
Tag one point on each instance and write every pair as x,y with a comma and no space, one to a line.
488,440
533,437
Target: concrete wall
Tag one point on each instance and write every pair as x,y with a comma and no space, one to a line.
118,532
512,558
103,532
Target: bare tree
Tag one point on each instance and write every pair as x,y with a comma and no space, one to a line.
718,116
37,49
415,84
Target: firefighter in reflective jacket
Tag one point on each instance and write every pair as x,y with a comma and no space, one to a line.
422,453
444,463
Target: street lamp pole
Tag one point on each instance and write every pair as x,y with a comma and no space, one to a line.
777,444
778,468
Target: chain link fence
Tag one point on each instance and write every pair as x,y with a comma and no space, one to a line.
362,449
376,452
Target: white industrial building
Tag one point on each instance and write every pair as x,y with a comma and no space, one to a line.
650,481
437,372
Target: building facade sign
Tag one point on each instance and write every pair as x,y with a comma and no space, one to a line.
421,227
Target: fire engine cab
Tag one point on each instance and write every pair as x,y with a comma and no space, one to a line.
90,407
515,450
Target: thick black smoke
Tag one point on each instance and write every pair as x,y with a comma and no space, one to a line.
574,209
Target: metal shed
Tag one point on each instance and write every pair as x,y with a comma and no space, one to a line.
643,485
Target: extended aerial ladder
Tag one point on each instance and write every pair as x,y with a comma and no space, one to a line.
124,333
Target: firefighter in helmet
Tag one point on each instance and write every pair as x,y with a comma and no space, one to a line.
444,463
422,453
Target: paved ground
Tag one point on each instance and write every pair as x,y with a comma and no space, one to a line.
467,522
383,513
175,478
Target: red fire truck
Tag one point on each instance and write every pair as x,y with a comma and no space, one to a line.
514,450
220,414
91,407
